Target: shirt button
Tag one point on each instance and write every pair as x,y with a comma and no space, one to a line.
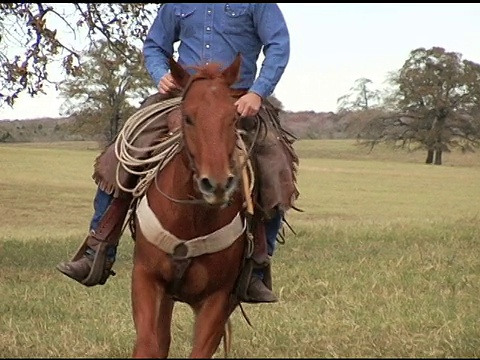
183,15
207,46
209,28
209,11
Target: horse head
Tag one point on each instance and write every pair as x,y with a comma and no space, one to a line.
209,120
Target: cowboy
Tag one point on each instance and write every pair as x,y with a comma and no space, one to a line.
209,33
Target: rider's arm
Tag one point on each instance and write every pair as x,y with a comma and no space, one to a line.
158,45
273,32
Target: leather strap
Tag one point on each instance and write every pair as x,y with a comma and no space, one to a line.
111,225
260,253
155,233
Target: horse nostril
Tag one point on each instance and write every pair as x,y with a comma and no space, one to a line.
230,182
206,185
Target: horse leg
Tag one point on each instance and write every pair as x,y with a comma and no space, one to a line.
151,315
164,325
210,321
227,338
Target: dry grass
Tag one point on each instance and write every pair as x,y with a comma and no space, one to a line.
385,262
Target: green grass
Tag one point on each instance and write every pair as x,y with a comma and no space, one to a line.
385,262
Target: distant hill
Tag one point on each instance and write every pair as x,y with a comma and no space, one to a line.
312,125
305,125
38,130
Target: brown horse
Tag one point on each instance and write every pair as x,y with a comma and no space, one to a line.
195,200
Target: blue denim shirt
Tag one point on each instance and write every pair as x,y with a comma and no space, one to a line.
216,33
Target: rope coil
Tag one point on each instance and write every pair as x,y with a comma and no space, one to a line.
159,154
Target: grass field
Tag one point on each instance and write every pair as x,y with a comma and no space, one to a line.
385,262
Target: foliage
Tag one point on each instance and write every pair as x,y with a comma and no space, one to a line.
37,39
101,95
361,97
434,105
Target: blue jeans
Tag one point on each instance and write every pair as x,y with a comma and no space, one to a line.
100,205
272,227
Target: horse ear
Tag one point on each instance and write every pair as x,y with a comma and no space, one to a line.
232,72
180,75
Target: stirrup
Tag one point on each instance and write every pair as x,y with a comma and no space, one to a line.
241,290
99,273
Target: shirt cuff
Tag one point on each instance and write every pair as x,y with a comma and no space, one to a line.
157,74
262,88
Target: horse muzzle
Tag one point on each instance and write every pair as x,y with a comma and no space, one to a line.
217,193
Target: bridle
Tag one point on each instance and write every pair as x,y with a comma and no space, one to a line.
190,159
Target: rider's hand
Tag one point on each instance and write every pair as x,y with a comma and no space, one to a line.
167,84
249,104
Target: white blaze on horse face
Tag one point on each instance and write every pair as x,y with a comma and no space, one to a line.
215,193
216,178
212,138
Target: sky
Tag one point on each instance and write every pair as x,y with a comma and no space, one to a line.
332,45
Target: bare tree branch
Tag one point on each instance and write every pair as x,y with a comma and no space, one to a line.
26,59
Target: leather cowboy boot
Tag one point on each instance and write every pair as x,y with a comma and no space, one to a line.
260,288
93,261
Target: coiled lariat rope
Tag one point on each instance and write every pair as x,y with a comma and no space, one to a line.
159,154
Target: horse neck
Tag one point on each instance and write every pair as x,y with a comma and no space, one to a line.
183,219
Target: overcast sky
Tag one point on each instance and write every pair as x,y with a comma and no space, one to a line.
332,45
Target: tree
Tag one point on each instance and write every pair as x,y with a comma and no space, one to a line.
361,97
36,35
103,92
436,96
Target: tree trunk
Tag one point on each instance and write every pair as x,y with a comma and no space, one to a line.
439,128
429,157
114,125
438,157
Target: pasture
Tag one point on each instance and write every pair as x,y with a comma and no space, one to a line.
385,262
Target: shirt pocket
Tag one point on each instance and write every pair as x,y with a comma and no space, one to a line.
236,19
184,15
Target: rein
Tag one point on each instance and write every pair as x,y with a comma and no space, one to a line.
240,145
245,166
162,153
159,154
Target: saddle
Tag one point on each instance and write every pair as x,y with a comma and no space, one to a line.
274,164
273,157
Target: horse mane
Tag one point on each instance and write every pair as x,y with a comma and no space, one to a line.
210,71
